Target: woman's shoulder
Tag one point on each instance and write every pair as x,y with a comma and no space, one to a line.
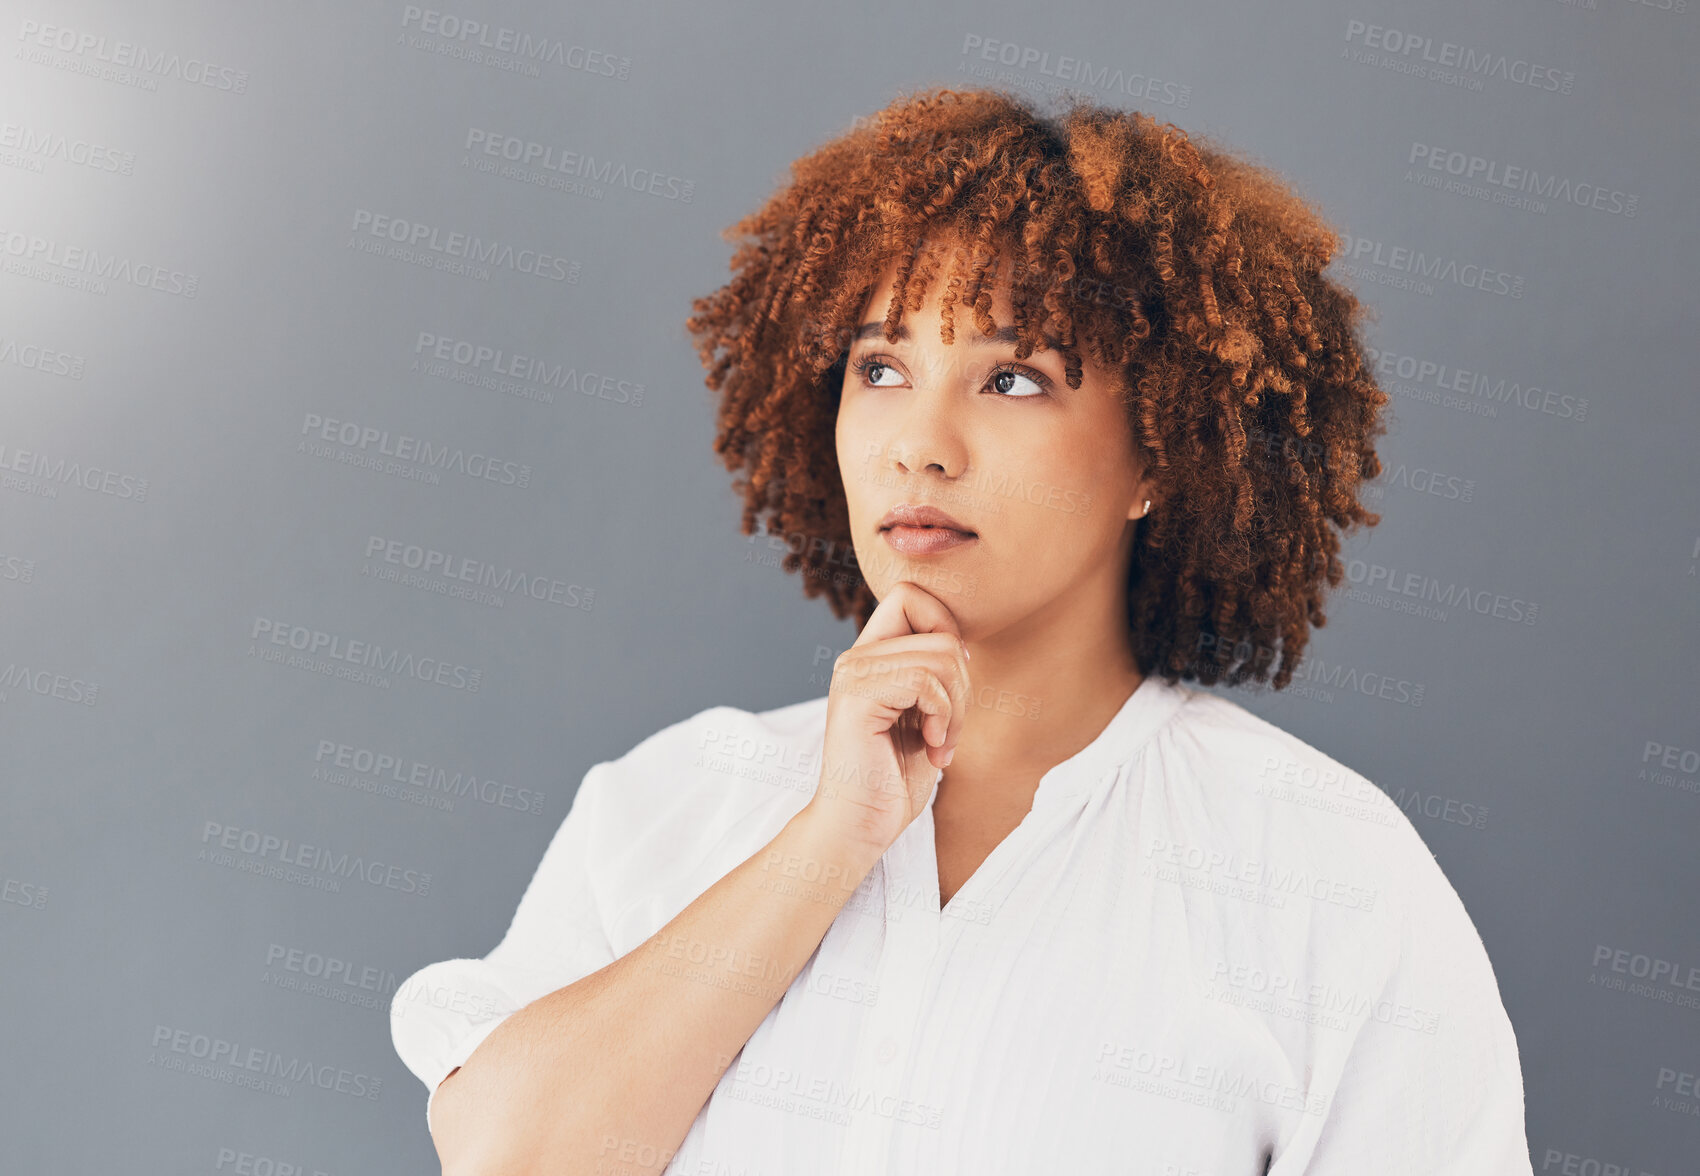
1250,757
713,767
1264,789
1302,845
684,805
1319,903
714,740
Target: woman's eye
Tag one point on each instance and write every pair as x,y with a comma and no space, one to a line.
873,369
1004,381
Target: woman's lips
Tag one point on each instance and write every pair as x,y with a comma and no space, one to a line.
925,540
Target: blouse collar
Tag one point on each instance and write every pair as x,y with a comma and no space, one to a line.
1146,709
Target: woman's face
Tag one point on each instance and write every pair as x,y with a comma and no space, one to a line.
1043,475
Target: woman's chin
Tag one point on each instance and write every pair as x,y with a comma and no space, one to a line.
964,608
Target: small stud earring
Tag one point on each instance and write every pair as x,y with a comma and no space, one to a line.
1147,509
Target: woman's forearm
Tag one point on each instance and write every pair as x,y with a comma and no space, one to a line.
612,1070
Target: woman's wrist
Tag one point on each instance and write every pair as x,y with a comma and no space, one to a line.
817,845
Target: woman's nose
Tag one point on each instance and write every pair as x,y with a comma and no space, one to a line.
926,430
928,439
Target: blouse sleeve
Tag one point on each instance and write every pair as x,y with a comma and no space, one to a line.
1432,1084
444,1011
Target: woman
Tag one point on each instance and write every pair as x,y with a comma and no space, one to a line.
1009,897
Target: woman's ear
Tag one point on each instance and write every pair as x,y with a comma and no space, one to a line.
1147,496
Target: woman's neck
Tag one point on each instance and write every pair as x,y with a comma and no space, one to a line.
1027,716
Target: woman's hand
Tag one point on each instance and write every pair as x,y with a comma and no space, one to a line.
893,714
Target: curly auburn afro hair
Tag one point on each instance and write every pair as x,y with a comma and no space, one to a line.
1194,273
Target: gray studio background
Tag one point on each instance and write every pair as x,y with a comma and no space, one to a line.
236,417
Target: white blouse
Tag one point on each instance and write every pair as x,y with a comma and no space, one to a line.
1208,950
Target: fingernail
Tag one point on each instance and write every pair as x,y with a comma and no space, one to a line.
949,755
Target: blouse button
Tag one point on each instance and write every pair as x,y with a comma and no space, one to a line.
887,1051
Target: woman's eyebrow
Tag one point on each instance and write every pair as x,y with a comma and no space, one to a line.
1003,335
